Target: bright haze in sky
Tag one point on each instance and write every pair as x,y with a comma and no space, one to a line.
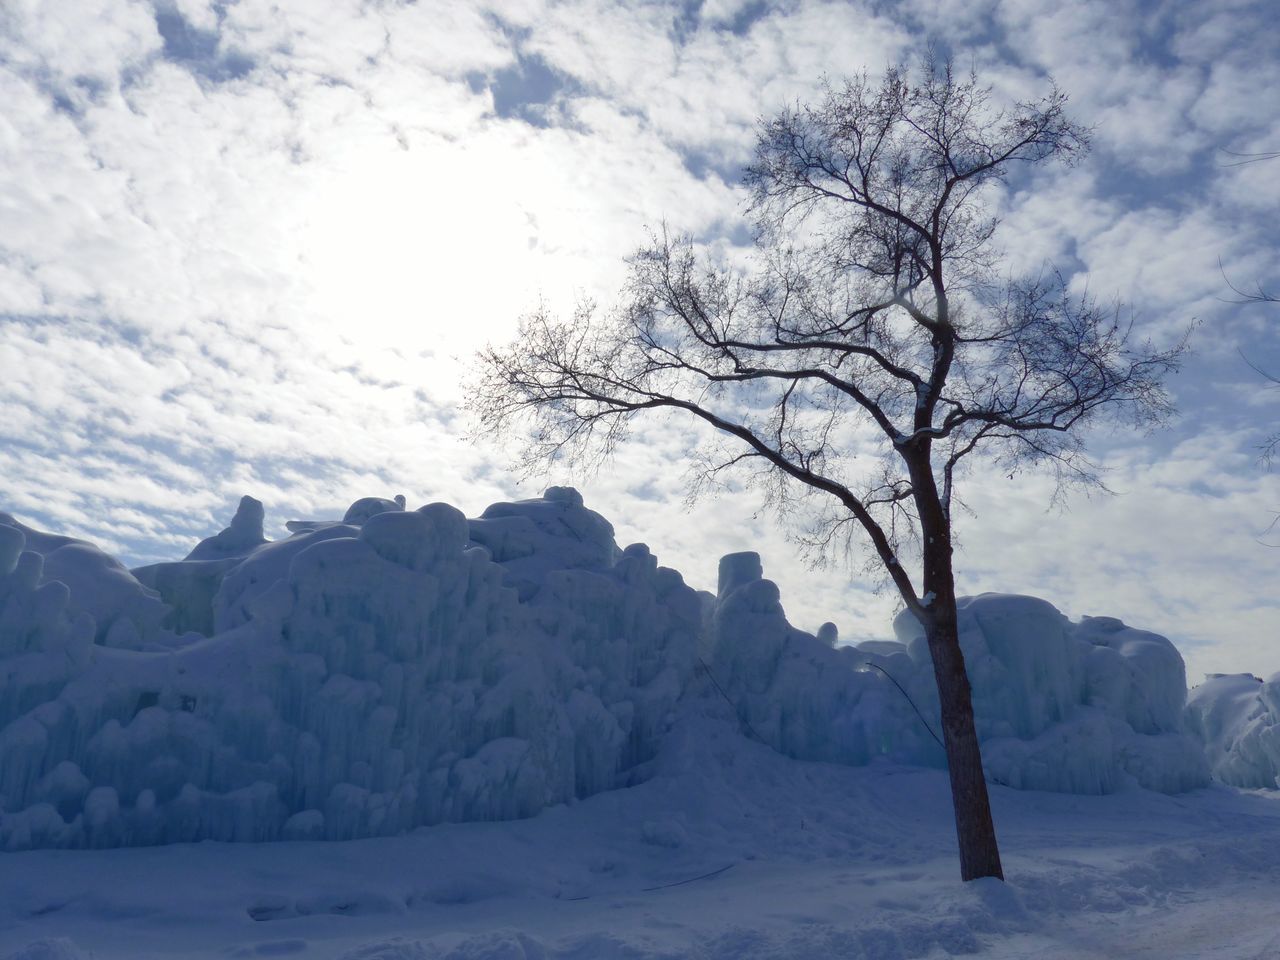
250,247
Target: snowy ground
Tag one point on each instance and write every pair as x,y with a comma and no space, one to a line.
796,860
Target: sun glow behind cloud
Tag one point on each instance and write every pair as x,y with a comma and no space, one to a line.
439,245
432,248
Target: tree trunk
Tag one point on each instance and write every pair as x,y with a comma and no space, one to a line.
975,831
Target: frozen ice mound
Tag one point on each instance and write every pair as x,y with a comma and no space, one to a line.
362,680
125,612
241,536
803,696
1078,708
1074,707
397,668
1237,715
521,535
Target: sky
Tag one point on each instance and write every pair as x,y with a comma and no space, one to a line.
252,247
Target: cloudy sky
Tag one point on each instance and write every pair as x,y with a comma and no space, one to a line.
250,247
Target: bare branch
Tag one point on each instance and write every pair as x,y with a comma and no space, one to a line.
880,334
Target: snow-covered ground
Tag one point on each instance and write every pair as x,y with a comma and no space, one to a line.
729,851
408,735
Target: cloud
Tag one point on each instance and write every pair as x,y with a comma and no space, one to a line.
249,248
49,41
1176,550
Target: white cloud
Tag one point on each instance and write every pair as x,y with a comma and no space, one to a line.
52,39
1176,550
216,281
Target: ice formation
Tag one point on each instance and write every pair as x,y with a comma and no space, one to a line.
407,667
359,680
1237,715
124,612
242,536
800,694
1072,707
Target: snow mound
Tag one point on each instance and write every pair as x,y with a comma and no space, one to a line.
1238,718
407,667
803,696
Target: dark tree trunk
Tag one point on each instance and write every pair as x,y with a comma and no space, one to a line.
975,831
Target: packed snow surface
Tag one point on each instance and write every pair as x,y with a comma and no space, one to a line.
400,668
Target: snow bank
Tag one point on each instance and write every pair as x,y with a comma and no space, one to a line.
1238,717
407,667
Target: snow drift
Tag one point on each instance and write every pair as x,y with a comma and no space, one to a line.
399,668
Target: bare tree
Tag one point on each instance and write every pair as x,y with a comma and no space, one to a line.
1257,295
872,304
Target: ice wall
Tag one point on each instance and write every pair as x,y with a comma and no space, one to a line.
1074,707
125,612
406,667
803,696
1237,715
364,678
